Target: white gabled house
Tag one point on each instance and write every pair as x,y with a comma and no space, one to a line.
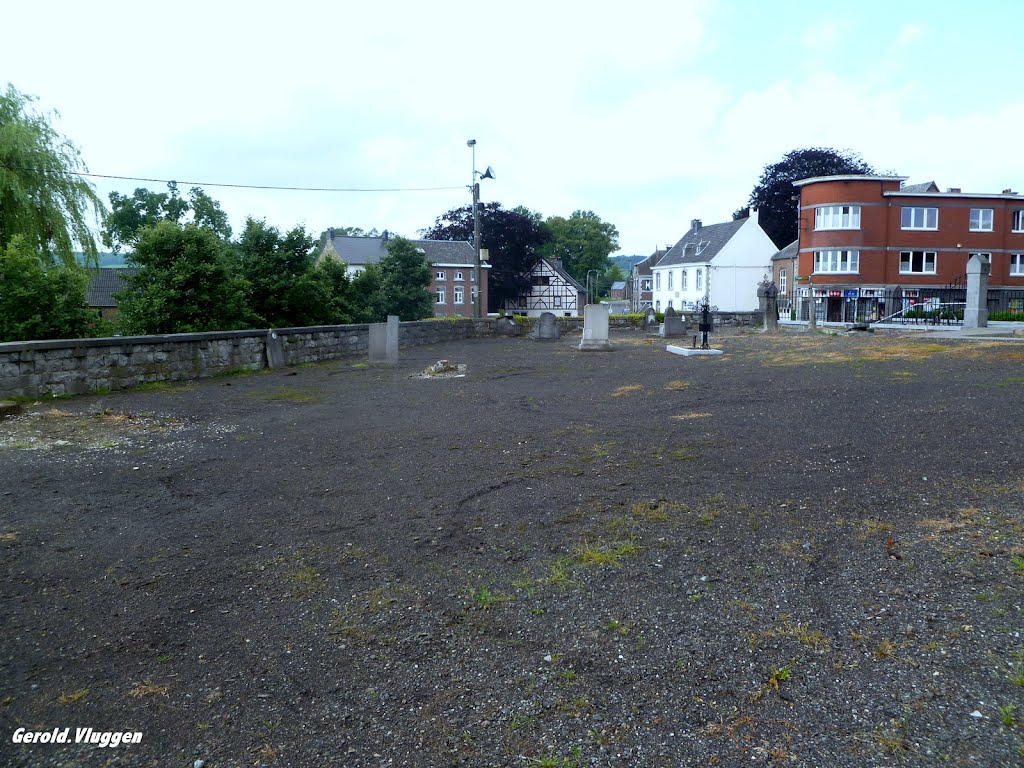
552,289
724,262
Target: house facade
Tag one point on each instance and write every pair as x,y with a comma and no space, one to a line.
103,284
552,289
640,286
784,275
451,267
724,262
873,247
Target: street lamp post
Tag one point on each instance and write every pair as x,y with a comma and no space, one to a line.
475,189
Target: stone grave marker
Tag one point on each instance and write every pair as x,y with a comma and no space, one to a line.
595,328
383,346
275,350
506,326
976,309
650,318
673,326
547,328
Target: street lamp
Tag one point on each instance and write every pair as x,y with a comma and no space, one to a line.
475,189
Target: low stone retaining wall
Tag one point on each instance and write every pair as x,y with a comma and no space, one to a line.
78,366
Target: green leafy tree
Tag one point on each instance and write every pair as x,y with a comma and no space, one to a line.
183,283
404,279
130,215
512,239
776,199
613,274
344,303
285,288
42,197
583,242
39,300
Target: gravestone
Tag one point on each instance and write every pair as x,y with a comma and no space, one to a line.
506,326
595,328
768,301
383,344
547,328
650,318
275,350
976,311
673,326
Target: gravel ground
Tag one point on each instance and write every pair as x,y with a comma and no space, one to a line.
808,551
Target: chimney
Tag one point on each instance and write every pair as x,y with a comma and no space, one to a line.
695,224
330,234
1009,191
385,236
953,190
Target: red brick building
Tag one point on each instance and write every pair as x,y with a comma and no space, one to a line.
864,237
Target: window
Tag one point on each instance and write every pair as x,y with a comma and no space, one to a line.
670,279
700,279
657,281
1017,264
1018,221
458,276
919,218
847,262
459,294
669,304
645,284
540,280
439,275
981,219
782,281
682,282
558,301
440,294
837,217
917,262
657,306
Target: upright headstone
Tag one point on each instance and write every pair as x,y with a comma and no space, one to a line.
595,328
275,350
506,326
650,318
547,328
383,340
769,294
673,326
976,311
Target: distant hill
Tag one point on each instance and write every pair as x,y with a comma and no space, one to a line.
626,262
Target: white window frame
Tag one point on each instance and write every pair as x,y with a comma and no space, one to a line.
1017,265
917,217
907,263
782,281
440,295
683,281
459,294
657,306
439,274
1018,221
982,220
837,217
458,276
699,280
836,262
557,301
670,279
657,281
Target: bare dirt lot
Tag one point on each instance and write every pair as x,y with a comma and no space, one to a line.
808,551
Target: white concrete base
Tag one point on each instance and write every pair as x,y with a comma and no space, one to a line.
690,352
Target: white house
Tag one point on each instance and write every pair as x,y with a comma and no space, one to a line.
724,262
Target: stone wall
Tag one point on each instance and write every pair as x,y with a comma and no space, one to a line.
78,366
71,367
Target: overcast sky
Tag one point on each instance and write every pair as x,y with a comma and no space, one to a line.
647,113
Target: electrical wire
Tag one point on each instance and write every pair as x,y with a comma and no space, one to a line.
237,186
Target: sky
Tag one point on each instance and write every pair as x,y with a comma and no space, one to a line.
649,114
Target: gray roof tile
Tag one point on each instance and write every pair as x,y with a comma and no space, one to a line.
789,252
927,186
701,245
104,283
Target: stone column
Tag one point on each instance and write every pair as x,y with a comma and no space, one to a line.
976,311
595,327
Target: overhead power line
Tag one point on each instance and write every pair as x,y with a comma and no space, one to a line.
240,186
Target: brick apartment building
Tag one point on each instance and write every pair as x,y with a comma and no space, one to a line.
871,245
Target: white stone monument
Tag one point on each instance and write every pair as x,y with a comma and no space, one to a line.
595,328
976,311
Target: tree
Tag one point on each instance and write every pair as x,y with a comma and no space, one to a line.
512,239
613,274
404,280
284,287
183,283
343,301
39,300
42,196
583,242
776,199
130,215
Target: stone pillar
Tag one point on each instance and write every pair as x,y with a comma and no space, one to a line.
275,350
976,311
383,341
595,327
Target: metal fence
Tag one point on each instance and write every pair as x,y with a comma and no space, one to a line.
909,306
